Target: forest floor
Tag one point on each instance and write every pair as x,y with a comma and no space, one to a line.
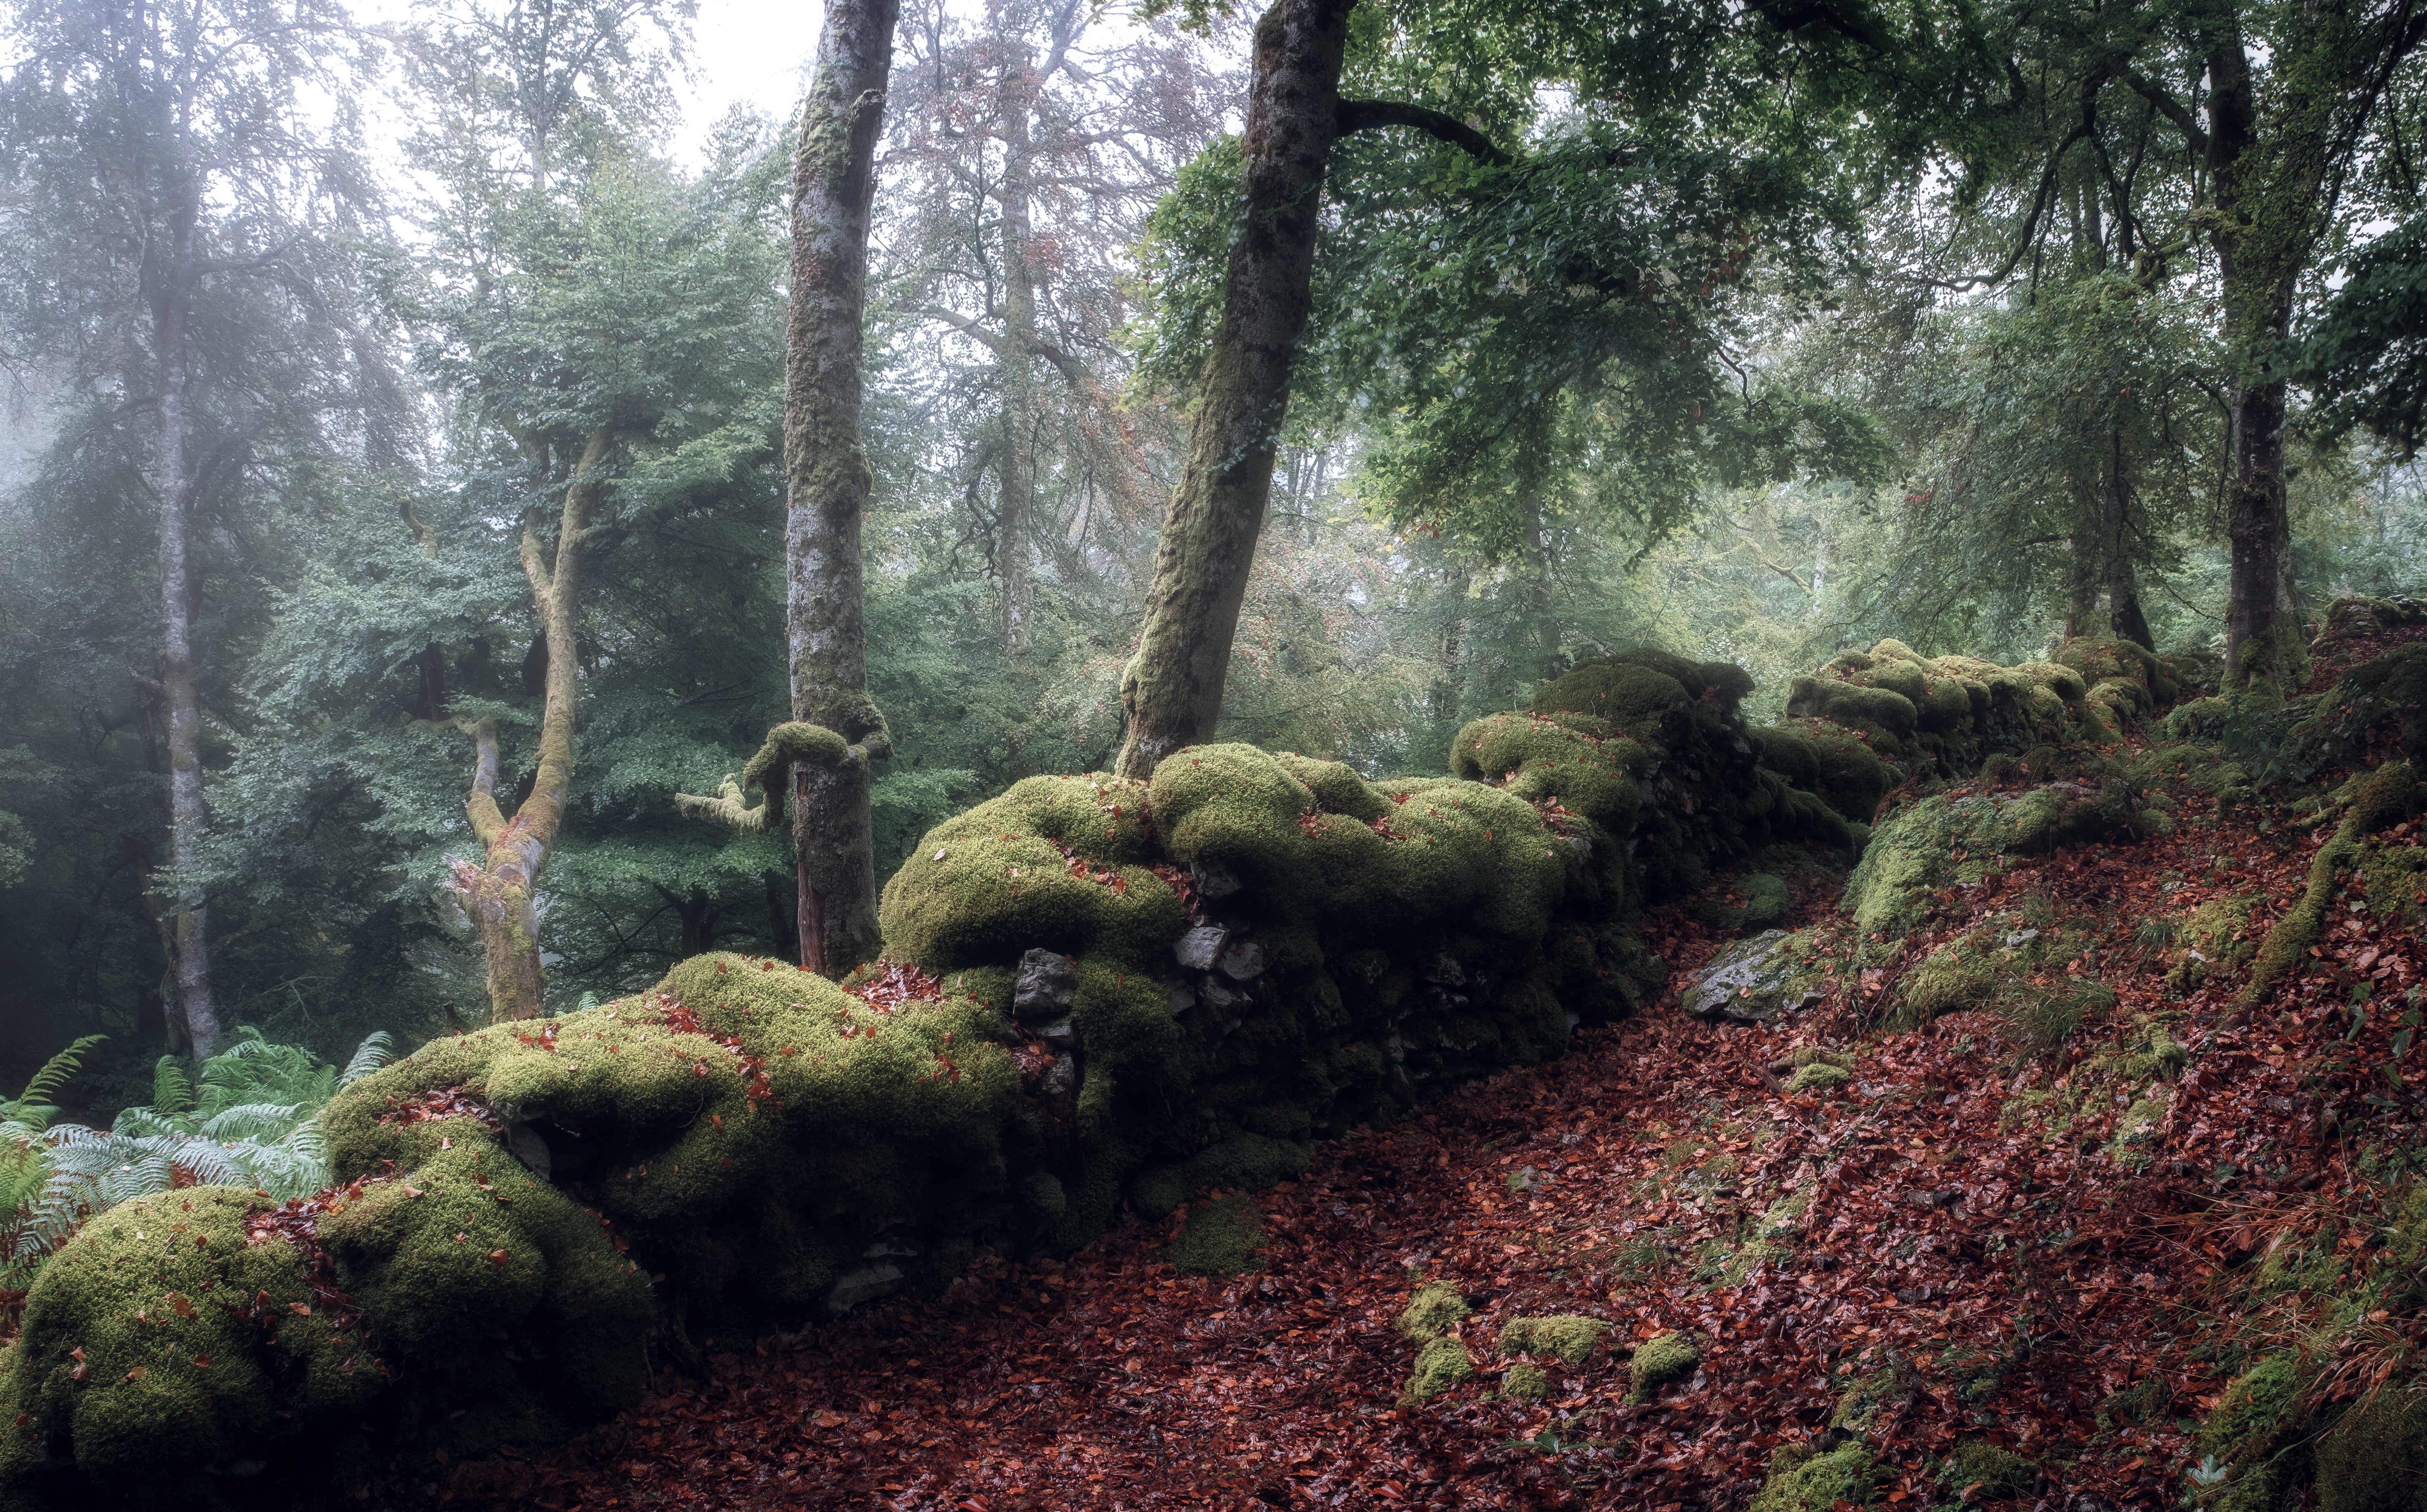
1978,1259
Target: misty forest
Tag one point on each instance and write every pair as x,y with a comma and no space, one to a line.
1151,754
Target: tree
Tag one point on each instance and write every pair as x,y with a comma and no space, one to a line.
584,311
173,214
827,476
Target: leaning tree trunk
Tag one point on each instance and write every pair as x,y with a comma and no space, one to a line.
1171,692
828,478
497,892
188,931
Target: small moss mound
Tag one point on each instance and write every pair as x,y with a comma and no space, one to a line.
1568,1335
1525,1383
1670,1356
1219,1239
1993,1472
1820,1075
1440,1365
1801,1480
1433,1311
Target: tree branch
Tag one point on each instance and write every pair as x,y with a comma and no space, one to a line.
2163,101
1373,115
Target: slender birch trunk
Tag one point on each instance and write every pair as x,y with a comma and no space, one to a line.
828,481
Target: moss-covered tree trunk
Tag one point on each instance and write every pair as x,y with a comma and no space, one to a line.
497,891
1172,690
2266,194
828,478
195,1014
2125,616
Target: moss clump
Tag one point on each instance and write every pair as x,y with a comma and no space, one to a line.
1670,1356
1570,1335
1994,1471
1525,1383
2376,1458
2256,1416
1440,1365
1766,901
1219,1239
162,1338
1940,717
1830,760
1808,1482
2210,941
1820,1075
1433,1311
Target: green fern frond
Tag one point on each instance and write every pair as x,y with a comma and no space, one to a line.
173,1091
56,1073
376,1051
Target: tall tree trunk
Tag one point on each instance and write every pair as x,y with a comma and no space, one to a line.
2253,239
498,892
1017,469
828,478
190,932
1172,689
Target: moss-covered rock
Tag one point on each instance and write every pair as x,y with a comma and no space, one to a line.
1525,1383
1670,1356
2260,1414
1440,1364
1433,1311
1568,1335
2375,1460
1986,1471
1219,1239
1760,979
1940,717
1803,1480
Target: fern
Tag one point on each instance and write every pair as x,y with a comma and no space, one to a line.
254,1121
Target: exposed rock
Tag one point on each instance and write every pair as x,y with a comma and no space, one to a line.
1058,1033
1179,997
865,1284
1755,980
1201,947
1242,962
1047,984
1212,880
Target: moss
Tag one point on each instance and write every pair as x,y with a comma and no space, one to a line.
1995,1473
1818,1077
1525,1383
2376,800
1568,1335
2257,1416
2209,941
1538,759
1747,1258
1670,1356
1440,1364
1433,1311
1830,760
1249,1161
1220,1238
2396,881
2376,1458
1846,1475
2136,1132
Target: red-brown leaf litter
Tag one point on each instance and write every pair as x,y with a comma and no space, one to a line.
1994,1281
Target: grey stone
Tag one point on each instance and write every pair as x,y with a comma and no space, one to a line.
1212,879
1062,1081
1442,970
1047,984
1242,962
1220,995
1752,980
1181,999
865,1284
1058,1033
1199,947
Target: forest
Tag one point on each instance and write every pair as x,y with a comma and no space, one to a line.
1168,754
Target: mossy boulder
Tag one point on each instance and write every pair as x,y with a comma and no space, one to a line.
2260,1414
1434,1311
1440,1364
1568,1335
1940,717
1803,1480
2374,1458
1658,1361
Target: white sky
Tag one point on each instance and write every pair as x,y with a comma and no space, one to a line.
747,52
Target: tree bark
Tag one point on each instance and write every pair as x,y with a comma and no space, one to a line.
2125,617
2253,239
828,479
498,892
1172,689
190,932
1017,470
